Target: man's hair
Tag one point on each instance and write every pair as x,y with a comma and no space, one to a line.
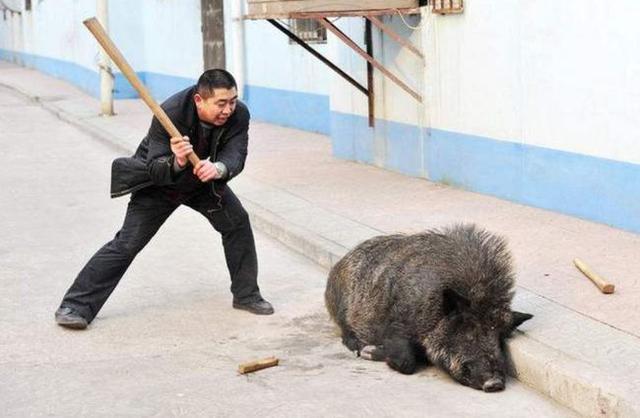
216,78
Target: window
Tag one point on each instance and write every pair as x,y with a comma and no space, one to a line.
27,4
309,30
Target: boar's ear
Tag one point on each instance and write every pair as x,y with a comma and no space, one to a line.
452,301
518,318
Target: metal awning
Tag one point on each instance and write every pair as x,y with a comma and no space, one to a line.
332,13
300,9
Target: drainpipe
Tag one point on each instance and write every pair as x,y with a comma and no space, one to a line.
104,64
237,43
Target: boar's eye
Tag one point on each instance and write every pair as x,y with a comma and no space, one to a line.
453,302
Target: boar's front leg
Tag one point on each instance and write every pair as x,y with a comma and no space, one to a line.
400,354
350,340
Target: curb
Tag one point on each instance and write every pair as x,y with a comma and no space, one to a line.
571,382
102,135
316,248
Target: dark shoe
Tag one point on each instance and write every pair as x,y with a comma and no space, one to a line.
258,307
68,318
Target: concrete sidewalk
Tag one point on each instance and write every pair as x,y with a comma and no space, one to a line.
581,349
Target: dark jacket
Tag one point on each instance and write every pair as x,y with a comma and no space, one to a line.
152,163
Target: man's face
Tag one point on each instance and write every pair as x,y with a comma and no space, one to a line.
217,108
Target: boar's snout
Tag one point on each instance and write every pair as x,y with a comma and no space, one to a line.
495,384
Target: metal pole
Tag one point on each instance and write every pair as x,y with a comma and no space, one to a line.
106,75
237,45
368,39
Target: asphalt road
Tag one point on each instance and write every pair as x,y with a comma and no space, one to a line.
168,343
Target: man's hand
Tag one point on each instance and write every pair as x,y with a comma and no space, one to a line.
205,170
181,148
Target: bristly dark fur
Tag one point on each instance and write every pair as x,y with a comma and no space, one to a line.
446,293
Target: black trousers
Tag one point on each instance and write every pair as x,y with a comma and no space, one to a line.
148,209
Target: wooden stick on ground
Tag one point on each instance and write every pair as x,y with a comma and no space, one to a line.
602,284
253,366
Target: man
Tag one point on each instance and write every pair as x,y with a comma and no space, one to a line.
216,126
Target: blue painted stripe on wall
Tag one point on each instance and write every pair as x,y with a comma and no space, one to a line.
78,75
480,164
404,147
352,138
389,144
289,108
594,188
161,86
588,187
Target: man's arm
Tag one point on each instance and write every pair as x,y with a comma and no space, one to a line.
234,153
166,156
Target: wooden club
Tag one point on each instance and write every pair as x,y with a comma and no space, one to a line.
116,56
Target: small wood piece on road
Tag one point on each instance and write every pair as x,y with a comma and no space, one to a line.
253,366
602,284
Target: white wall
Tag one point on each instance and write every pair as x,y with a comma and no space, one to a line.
273,62
172,35
344,97
160,36
126,29
391,103
398,105
561,75
53,29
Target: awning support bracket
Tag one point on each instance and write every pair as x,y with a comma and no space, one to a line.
393,35
318,55
370,18
344,38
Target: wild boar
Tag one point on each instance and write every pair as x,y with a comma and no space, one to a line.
443,296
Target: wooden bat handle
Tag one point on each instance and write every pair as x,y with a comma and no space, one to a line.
602,284
111,49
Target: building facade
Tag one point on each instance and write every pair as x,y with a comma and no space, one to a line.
534,102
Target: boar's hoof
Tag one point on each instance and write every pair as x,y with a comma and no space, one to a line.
372,352
350,340
402,365
400,354
493,385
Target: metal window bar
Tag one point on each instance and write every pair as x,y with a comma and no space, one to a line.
308,30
